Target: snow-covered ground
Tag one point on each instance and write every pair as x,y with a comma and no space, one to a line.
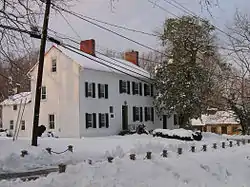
221,167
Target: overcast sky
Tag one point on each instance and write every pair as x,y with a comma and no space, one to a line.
137,14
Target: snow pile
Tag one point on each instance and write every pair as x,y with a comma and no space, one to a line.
222,168
24,97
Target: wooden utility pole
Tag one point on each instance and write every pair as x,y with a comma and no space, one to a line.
40,73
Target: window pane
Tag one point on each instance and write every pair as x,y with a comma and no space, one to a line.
90,89
53,65
102,90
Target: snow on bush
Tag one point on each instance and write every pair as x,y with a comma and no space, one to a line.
181,134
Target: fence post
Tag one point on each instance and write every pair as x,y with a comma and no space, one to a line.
215,145
204,147
165,153
132,156
70,148
179,151
243,142
62,168
223,145
238,142
149,155
248,141
90,162
231,143
23,153
193,149
48,149
110,159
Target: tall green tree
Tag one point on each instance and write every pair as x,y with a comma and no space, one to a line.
184,81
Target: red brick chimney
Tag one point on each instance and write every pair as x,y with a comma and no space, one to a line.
132,56
88,46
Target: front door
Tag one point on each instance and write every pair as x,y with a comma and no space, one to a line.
124,117
165,122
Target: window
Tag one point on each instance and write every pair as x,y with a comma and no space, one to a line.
14,107
135,88
51,121
103,91
175,119
148,90
53,65
11,124
213,129
124,86
103,120
137,114
90,89
149,114
111,109
90,120
23,125
44,92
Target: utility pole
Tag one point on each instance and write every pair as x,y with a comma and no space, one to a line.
40,73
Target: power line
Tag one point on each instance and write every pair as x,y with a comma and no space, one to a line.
107,29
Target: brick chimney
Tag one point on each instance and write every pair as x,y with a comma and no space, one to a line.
88,46
132,56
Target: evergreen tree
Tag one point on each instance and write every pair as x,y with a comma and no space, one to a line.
184,81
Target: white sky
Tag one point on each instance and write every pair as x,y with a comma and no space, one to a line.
137,14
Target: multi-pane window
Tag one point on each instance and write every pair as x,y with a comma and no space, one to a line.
44,93
149,114
53,65
148,90
124,86
103,91
137,113
103,120
90,89
14,107
11,124
90,120
51,121
23,125
135,88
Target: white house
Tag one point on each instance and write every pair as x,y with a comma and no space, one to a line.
83,97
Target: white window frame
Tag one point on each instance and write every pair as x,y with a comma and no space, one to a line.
90,121
43,94
102,91
90,90
124,86
23,125
53,65
137,113
51,122
12,124
102,122
149,114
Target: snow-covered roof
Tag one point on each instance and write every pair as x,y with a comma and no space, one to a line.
24,97
116,65
220,117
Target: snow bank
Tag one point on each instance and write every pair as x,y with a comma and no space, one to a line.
223,168
17,99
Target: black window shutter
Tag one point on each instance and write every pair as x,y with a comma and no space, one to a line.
86,89
106,91
87,120
128,87
145,90
94,120
140,88
133,88
107,120
141,114
152,90
120,86
134,108
153,114
99,90
146,114
93,87
99,118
